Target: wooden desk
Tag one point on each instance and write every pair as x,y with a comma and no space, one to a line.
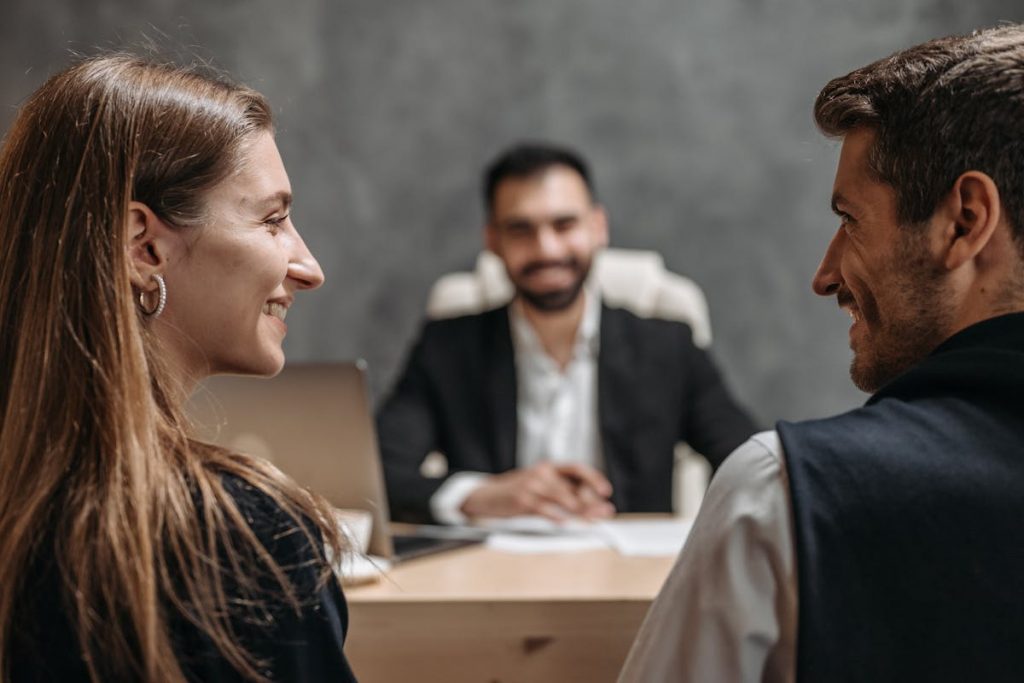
476,615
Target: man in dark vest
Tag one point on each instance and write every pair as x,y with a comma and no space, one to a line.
887,543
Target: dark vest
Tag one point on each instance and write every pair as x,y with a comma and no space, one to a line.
909,521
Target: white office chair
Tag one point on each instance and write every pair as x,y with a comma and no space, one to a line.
632,279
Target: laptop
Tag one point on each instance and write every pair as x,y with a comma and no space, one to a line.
314,422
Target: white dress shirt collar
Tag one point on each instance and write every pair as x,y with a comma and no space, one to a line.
527,345
556,408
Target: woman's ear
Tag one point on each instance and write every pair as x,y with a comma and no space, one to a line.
150,242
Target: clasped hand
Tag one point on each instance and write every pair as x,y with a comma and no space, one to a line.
555,491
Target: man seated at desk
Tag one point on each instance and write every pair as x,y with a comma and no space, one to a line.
554,404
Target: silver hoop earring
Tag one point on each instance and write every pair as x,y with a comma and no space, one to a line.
161,301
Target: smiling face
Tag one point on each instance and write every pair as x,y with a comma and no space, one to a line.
234,278
546,228
882,273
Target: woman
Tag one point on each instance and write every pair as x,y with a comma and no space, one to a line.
145,243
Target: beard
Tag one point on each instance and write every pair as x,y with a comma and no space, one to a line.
910,328
555,300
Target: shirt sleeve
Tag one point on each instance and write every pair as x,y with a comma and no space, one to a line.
728,610
446,503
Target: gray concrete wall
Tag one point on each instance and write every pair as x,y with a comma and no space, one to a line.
695,115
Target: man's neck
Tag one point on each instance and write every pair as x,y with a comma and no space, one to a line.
557,330
993,293
992,286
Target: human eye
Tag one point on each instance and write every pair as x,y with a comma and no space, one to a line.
565,223
275,222
518,228
846,221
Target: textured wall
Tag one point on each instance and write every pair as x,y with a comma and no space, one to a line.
695,115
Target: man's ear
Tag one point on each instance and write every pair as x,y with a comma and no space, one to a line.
149,244
971,212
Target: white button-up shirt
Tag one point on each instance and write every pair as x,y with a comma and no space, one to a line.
728,610
556,409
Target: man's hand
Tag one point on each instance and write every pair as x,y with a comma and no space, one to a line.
553,491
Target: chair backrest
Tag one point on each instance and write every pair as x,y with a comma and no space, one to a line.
628,278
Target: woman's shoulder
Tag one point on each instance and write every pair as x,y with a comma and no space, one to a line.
291,539
262,511
288,546
299,640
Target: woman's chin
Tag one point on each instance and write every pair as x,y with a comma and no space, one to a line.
266,365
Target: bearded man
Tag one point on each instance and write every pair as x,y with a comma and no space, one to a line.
886,543
555,404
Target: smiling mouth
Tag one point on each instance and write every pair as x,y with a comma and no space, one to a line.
848,303
568,265
276,310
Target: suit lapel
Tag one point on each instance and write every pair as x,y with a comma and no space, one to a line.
616,368
501,390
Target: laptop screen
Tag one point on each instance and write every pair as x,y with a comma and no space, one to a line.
314,422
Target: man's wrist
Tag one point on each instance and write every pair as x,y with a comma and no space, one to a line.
446,503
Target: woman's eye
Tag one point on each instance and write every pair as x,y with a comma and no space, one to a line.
275,222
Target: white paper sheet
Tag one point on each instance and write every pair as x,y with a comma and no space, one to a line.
631,537
534,544
536,525
646,538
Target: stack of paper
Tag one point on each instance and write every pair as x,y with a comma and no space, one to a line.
631,537
646,538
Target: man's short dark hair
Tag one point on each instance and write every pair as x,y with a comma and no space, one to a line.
939,109
529,159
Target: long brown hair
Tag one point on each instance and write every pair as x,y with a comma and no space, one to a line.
96,466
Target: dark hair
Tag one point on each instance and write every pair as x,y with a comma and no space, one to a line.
939,109
531,158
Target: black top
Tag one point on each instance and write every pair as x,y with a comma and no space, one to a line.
457,395
298,647
907,518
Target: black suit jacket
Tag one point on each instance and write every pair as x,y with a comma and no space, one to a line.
457,395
